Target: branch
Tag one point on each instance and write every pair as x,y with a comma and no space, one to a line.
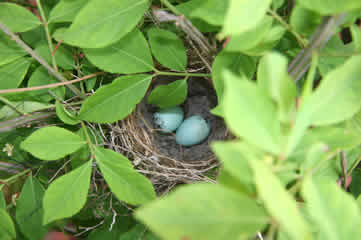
23,45
300,64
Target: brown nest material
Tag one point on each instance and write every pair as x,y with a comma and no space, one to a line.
156,154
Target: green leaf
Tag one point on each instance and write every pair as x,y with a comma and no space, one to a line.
42,77
356,37
64,57
52,143
234,159
101,23
65,11
330,208
9,50
242,16
64,115
315,156
130,54
256,122
168,49
169,95
7,228
335,100
115,101
67,194
304,21
279,202
7,112
29,210
124,181
13,73
330,7
269,41
211,11
251,38
190,213
237,63
17,18
2,201
273,78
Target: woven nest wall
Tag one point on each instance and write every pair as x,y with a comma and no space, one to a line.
156,154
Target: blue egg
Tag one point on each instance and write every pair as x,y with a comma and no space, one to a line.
192,131
169,119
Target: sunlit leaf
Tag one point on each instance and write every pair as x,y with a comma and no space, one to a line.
52,143
169,95
65,11
330,7
7,228
67,194
13,73
115,101
17,18
124,181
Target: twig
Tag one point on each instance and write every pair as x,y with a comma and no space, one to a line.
23,45
11,105
23,120
48,37
300,64
53,85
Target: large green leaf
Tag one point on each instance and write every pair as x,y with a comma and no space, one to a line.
169,95
211,11
251,38
67,194
52,143
279,202
124,181
237,63
65,10
7,228
13,73
273,78
334,211
101,23
42,77
29,210
17,18
250,113
168,49
204,212
115,101
335,100
9,50
130,54
244,15
330,7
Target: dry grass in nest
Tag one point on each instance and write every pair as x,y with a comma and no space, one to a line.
137,143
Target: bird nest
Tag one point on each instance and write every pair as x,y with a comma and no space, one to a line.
156,154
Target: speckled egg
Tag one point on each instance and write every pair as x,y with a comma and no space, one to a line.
169,119
192,131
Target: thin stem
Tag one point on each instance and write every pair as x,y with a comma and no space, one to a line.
185,74
52,71
11,105
302,41
90,144
53,85
10,179
48,37
171,7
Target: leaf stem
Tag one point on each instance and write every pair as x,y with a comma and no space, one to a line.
171,7
11,105
90,144
30,51
301,41
185,74
48,37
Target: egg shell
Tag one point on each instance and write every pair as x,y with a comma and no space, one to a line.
169,119
192,131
